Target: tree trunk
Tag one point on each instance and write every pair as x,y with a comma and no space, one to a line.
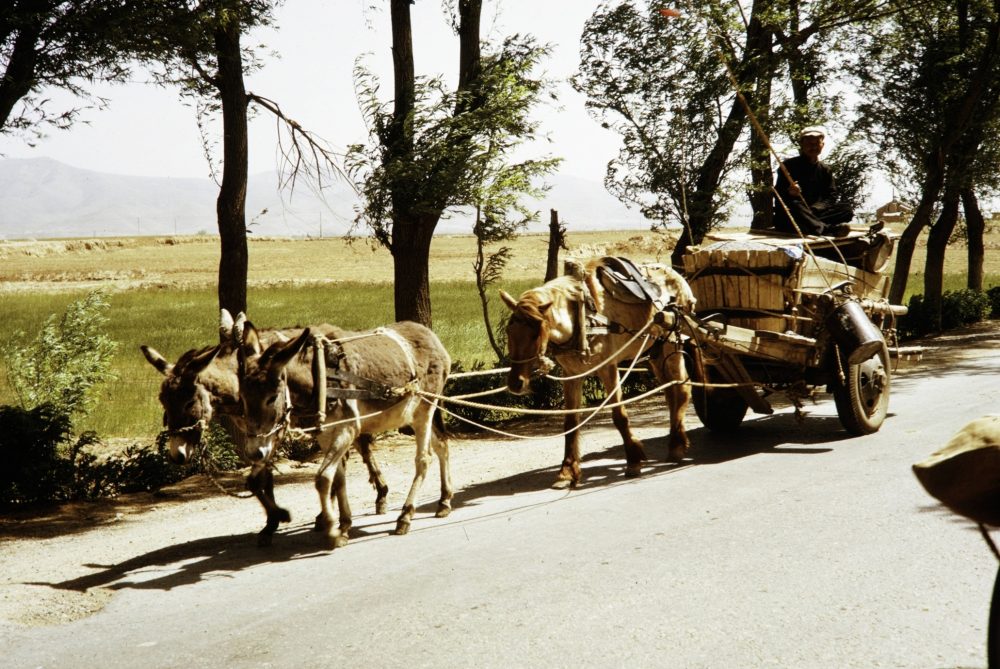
411,248
414,221
17,79
231,203
908,239
976,226
700,204
557,240
937,246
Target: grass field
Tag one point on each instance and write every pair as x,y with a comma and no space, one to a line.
162,293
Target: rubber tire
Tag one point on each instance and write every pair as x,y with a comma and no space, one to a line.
719,409
863,400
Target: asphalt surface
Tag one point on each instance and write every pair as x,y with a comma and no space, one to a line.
791,545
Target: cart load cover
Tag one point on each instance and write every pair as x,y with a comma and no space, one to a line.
965,474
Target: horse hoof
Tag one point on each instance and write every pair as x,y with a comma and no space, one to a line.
402,527
677,454
443,511
563,484
340,541
633,470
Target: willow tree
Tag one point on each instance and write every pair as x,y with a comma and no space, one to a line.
433,149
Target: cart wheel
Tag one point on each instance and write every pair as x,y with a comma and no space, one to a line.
719,409
863,400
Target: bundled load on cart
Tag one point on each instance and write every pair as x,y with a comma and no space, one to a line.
790,314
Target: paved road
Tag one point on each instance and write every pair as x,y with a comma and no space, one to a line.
792,546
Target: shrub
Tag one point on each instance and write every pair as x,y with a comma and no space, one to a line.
964,307
994,296
65,359
32,446
958,308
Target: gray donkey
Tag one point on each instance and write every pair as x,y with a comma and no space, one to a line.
203,386
376,378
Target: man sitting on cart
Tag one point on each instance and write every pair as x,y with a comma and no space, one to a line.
811,197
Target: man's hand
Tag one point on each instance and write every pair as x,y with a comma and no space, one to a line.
794,190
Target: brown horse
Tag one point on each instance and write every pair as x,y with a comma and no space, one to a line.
203,386
377,376
547,320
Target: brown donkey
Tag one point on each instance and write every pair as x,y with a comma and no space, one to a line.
376,378
203,386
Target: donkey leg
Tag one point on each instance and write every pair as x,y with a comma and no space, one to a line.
569,473
374,473
334,448
634,452
261,483
422,431
439,442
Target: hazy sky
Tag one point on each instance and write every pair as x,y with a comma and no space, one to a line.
146,131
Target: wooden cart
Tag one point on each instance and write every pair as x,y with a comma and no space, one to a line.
790,315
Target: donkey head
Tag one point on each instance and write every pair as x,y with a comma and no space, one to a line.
196,386
187,405
527,338
264,390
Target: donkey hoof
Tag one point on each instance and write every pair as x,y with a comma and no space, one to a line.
380,507
443,511
563,484
340,541
334,540
677,454
402,527
633,470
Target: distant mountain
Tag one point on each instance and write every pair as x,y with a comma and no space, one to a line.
41,198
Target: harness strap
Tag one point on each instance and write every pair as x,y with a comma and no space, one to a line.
403,345
319,377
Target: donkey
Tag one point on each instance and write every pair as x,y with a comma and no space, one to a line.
549,319
380,374
203,386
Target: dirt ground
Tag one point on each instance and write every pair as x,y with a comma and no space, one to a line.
66,562
63,563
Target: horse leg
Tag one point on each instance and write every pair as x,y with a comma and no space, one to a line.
439,442
634,453
669,366
334,449
422,433
569,473
374,473
261,483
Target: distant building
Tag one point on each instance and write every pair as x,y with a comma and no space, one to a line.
893,211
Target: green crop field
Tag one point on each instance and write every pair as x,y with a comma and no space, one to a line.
162,293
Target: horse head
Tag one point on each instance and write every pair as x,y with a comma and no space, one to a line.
527,337
264,391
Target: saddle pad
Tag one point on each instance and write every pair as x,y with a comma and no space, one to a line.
626,283
965,474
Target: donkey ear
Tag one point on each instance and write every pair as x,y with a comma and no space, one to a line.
225,325
508,300
250,340
200,362
283,353
156,360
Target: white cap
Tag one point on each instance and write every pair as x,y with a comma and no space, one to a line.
812,131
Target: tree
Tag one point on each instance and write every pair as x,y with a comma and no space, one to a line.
668,87
943,59
436,149
51,44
